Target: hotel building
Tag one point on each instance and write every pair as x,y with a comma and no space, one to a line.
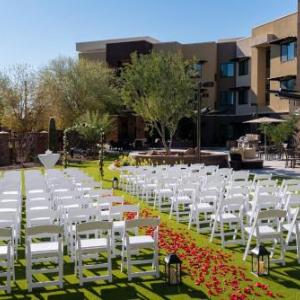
243,71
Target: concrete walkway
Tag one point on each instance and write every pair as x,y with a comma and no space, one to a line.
277,168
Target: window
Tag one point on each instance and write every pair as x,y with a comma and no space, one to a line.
243,96
244,67
227,70
227,98
198,67
288,84
288,51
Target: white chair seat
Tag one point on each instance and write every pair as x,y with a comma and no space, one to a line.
150,185
227,217
118,225
8,210
263,230
141,240
93,243
3,251
287,227
205,207
182,199
44,247
165,192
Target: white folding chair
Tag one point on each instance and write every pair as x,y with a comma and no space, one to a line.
230,212
73,217
293,232
118,214
87,248
185,195
133,243
44,244
267,226
7,257
201,210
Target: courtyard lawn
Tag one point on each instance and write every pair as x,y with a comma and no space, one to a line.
210,271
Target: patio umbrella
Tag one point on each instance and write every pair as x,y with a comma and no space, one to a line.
264,120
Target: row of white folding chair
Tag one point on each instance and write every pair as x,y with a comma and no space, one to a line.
88,246
68,214
106,211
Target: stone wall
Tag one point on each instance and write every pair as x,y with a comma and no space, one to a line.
208,158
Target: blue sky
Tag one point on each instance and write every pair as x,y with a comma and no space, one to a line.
35,31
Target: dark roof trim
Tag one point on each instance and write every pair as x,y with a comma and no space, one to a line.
280,78
238,88
287,39
240,58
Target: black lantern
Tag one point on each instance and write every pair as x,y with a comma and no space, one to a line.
115,183
173,269
260,261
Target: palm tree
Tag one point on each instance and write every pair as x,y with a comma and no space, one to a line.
92,124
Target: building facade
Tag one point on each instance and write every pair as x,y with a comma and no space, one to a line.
243,72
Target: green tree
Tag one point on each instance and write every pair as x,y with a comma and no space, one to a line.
76,86
22,107
52,135
158,87
282,132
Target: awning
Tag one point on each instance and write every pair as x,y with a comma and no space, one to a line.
280,78
292,95
240,58
287,39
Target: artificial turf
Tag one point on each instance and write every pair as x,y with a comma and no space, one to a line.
283,280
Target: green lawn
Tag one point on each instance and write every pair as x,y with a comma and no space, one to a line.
284,282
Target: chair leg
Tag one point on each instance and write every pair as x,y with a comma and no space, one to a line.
177,212
8,274
171,209
128,262
213,230
298,246
80,268
122,257
29,273
60,270
282,251
242,232
109,262
222,234
247,247
156,262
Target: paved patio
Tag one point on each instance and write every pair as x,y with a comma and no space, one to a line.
277,168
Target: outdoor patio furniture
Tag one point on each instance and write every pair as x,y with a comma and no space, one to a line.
292,156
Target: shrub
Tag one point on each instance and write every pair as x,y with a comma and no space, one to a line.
52,136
